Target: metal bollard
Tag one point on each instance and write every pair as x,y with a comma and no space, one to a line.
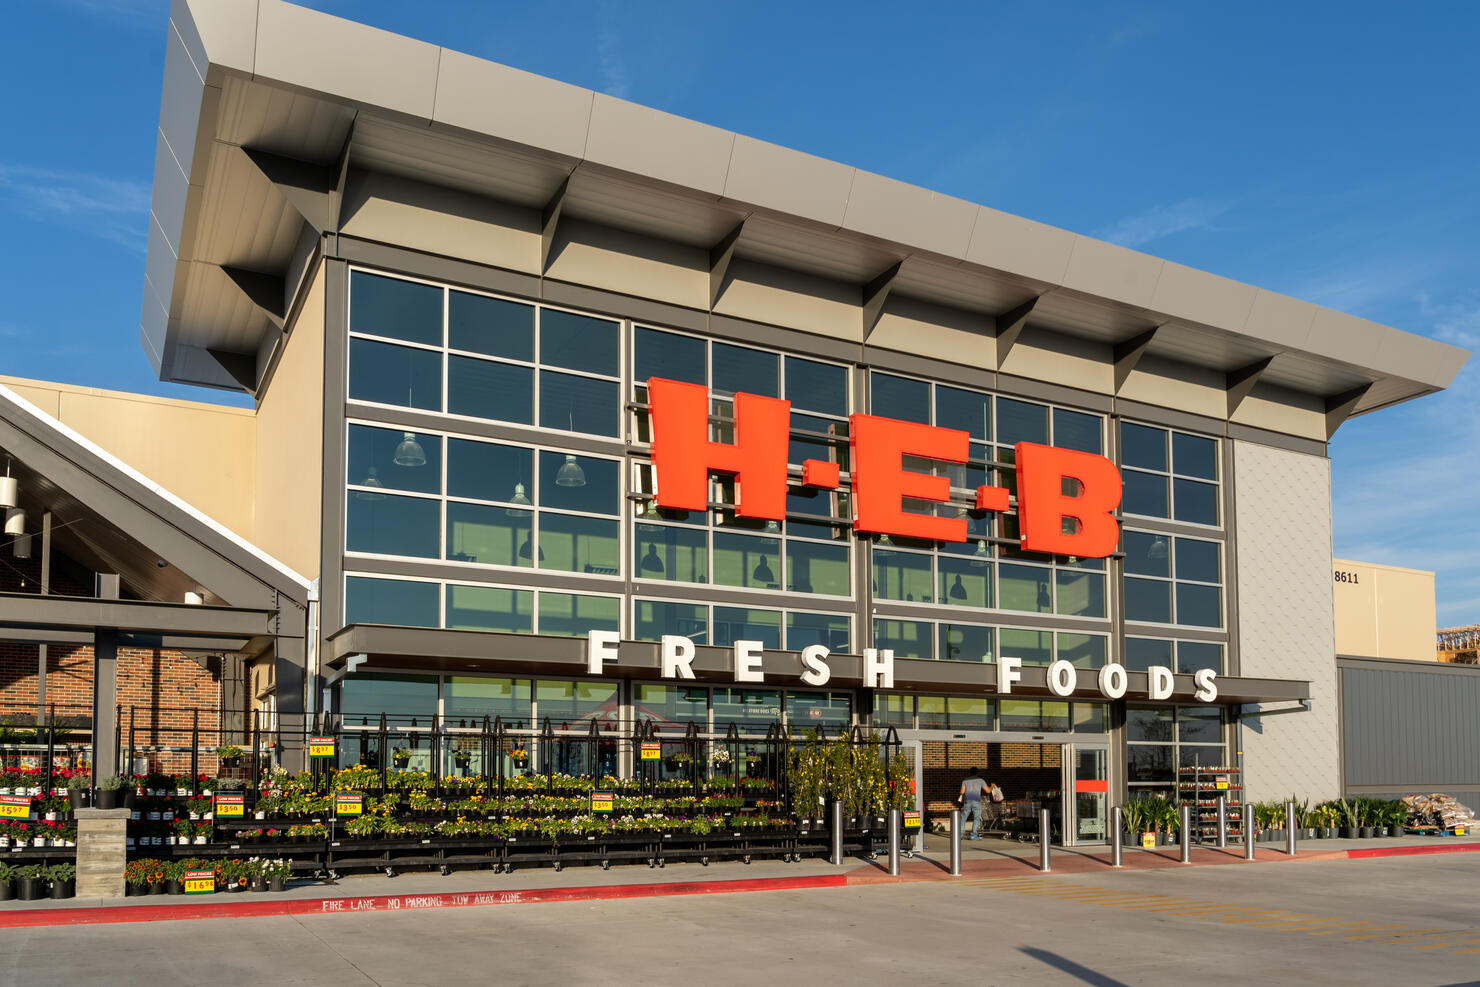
1222,821
1043,837
837,834
1115,847
894,826
955,842
1248,830
1186,833
1290,828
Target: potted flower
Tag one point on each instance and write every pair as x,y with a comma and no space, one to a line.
278,873
519,755
229,755
256,874
30,882
110,792
401,758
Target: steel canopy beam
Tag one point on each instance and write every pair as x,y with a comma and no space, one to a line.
134,616
875,295
1339,407
721,255
1241,381
1128,353
1010,326
550,224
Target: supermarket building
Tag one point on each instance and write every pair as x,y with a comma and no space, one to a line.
447,283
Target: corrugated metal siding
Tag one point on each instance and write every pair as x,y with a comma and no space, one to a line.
1419,729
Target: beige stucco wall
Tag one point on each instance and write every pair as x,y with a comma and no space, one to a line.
205,454
1383,611
290,443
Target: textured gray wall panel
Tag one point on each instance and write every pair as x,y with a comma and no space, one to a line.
1417,729
1282,505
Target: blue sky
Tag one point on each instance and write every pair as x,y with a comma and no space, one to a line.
1324,150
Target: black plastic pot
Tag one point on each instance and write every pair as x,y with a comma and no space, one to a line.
276,884
64,889
78,797
7,891
1348,832
174,887
30,888
108,798
1396,831
134,890
258,883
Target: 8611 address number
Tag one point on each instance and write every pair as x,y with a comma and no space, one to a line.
1346,577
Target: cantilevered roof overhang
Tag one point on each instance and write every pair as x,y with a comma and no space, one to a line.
268,107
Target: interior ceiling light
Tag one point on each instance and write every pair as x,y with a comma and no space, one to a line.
9,488
410,452
15,521
372,479
958,592
520,499
980,557
650,561
570,473
763,573
23,546
1158,549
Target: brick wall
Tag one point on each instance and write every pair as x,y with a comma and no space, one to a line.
1017,769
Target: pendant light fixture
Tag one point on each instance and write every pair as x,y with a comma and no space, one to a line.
772,527
372,479
650,562
958,592
1158,549
650,513
410,452
763,573
23,546
527,549
9,488
980,557
570,473
521,500
15,521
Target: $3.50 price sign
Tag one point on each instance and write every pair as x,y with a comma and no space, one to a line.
230,805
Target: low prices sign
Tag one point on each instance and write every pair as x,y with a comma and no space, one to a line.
911,820
320,746
349,804
652,750
200,882
1221,783
603,802
15,807
228,806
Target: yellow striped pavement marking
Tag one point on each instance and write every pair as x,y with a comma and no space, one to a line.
1394,931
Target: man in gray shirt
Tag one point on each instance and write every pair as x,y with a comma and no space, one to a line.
973,793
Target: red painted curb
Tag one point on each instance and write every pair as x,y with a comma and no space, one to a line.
398,902
1414,851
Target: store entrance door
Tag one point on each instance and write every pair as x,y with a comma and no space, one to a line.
1032,776
1091,788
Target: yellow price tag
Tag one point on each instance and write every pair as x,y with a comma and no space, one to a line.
652,752
230,805
15,807
320,746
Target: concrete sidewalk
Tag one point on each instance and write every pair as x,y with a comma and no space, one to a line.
429,889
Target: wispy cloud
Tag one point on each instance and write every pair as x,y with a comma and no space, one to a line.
609,50
133,13
1196,213
111,208
1457,323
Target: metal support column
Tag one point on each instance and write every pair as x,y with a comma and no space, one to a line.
1222,821
1185,814
1044,832
1290,820
105,701
894,827
955,842
1248,827
1116,851
837,834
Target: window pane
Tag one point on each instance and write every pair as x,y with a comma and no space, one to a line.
667,355
571,543
1148,600
733,624
398,375
740,369
932,711
965,642
487,471
1143,446
828,630
906,638
812,709
747,560
1075,430
579,342
373,693
397,602
897,397
1149,762
1200,756
665,551
1197,560
1193,455
574,615
1146,554
498,391
802,448
967,713
1080,593
1199,725
1020,421
1197,503
1091,718
480,696
1143,493
1152,723
1032,647
813,567
490,326
964,582
966,410
1083,650
819,387
892,710
579,483
676,704
578,404
1022,587
489,535
395,526
490,608
902,576
565,702
1193,656
1021,715
1143,652
395,308
372,460
656,618
1199,606
750,709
